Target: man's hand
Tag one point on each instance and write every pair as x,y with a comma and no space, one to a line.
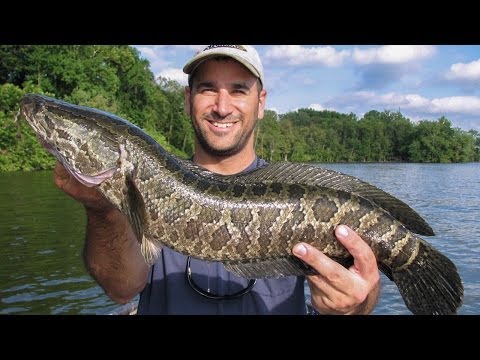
90,197
337,290
112,254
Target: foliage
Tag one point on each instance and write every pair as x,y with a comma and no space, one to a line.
110,78
309,135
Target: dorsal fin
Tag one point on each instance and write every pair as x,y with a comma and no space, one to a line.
314,175
310,174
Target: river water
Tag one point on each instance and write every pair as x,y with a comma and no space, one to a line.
42,233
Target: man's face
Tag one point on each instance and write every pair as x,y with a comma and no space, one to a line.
224,104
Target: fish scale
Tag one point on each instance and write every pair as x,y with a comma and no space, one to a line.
250,221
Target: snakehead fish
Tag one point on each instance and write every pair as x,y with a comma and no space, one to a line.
251,221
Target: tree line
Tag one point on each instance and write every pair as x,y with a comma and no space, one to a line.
308,135
116,79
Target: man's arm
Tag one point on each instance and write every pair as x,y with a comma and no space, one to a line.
112,253
337,290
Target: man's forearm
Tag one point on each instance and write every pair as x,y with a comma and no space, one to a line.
112,255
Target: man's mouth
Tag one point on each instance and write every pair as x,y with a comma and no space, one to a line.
222,125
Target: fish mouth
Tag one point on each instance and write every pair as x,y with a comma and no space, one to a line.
54,151
87,180
30,106
30,110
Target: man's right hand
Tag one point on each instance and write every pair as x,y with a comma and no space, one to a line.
90,197
112,254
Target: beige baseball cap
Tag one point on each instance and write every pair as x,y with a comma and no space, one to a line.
244,54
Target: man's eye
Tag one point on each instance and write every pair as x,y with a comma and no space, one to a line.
207,90
239,91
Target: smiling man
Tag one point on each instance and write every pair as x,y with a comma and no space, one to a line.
224,102
225,98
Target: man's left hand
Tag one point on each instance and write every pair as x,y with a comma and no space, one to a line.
336,289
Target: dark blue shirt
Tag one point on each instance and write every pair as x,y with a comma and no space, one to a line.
168,292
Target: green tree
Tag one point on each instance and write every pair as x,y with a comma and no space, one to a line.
175,123
110,78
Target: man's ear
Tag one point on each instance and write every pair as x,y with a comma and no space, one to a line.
262,99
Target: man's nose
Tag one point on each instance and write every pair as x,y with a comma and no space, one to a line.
223,103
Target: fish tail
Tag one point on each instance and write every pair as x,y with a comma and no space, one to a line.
430,284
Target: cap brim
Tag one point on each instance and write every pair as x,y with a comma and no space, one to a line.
190,67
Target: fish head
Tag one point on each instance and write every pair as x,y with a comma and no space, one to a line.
81,138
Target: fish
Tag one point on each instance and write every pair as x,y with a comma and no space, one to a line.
249,221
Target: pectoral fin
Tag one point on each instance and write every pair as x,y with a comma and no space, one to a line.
133,207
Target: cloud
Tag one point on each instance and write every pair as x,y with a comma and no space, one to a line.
298,55
457,104
463,111
273,109
392,54
174,74
464,75
319,107
329,56
444,105
462,71
147,51
161,57
157,55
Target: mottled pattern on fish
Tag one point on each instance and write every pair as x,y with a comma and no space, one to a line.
250,222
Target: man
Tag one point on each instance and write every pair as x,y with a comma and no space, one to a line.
224,98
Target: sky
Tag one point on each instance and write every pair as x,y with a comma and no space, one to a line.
423,82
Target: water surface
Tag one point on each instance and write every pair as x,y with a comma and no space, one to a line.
42,234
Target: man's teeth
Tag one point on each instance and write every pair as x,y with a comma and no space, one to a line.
222,125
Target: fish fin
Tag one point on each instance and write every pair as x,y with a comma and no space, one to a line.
386,270
267,268
314,175
151,250
430,285
196,169
133,207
